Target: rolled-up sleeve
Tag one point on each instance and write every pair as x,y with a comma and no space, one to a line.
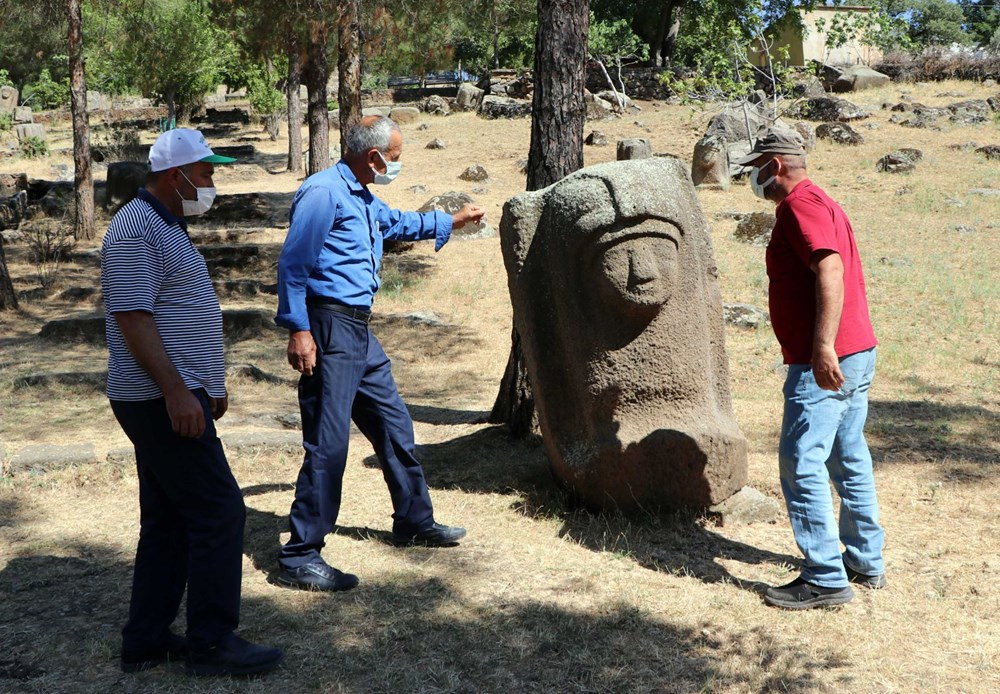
313,216
413,226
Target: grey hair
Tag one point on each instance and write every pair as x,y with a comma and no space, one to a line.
361,138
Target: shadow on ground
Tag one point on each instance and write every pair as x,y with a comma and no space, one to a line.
963,438
61,617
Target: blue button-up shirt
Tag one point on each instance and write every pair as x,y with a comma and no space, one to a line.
334,244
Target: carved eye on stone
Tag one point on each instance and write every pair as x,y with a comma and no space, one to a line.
637,270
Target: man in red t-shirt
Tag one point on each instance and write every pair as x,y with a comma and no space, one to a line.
819,311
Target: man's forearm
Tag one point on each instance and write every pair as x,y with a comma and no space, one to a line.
829,300
144,342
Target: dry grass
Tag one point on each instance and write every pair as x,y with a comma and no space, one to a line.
542,597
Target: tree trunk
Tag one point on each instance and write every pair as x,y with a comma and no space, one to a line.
665,43
316,75
670,42
292,83
349,68
83,181
8,298
558,116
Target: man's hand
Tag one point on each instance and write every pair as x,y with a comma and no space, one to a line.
186,414
826,368
302,351
219,406
469,213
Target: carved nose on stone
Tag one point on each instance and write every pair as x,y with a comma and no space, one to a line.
642,269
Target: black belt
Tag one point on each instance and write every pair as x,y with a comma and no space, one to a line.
326,304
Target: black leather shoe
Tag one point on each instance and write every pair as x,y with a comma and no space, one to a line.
436,535
175,648
233,656
801,595
875,582
316,576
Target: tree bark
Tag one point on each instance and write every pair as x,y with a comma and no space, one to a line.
8,297
316,75
558,117
349,68
293,80
83,180
665,43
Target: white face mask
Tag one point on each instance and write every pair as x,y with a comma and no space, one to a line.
760,189
392,169
193,208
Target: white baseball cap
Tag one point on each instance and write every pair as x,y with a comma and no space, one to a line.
180,147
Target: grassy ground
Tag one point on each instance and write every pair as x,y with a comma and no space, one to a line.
542,597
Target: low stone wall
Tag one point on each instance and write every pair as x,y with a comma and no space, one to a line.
640,82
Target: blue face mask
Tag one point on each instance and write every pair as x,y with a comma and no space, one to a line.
391,171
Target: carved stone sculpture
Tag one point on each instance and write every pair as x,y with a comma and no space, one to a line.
615,296
710,161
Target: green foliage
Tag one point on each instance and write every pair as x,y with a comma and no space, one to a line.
33,147
875,28
982,21
374,80
495,33
33,39
46,93
931,22
5,77
6,121
611,41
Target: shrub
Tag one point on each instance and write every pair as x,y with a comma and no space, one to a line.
34,147
6,121
48,246
116,143
46,93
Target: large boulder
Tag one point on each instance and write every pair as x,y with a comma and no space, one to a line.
858,77
596,138
597,108
755,228
26,130
971,112
8,99
807,133
436,105
12,183
124,179
23,114
634,148
469,97
620,319
494,107
899,161
739,122
830,109
710,161
450,203
404,114
841,133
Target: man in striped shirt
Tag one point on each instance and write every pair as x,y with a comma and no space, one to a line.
166,384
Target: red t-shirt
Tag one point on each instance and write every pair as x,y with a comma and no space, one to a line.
808,220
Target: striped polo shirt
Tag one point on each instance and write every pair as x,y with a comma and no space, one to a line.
149,264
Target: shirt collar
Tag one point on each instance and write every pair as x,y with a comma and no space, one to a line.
161,209
349,178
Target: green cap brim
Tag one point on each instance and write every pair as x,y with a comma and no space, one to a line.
218,159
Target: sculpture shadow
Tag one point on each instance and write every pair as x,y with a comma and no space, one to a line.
62,615
490,460
962,438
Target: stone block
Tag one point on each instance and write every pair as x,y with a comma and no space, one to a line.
26,130
45,457
22,114
744,507
404,114
634,148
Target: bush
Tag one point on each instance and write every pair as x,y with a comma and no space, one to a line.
48,246
116,143
6,121
46,93
940,63
34,147
374,81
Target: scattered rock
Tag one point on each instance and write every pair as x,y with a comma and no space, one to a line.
841,133
494,107
609,96
808,134
971,112
985,191
965,229
436,143
634,148
424,318
254,441
418,189
899,161
858,77
23,114
244,287
253,373
830,109
469,97
423,126
895,262
963,147
450,203
905,190
402,115
755,228
474,173
436,105
710,161
375,111
745,506
991,152
597,108
808,86
124,179
522,165
954,202
26,130
596,139
46,457
12,183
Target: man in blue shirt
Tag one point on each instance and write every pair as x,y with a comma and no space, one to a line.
328,274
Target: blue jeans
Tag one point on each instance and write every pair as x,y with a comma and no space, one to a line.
822,440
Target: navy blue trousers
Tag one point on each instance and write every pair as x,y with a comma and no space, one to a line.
191,530
352,380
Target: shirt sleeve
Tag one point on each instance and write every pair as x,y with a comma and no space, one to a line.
814,229
313,216
413,226
133,273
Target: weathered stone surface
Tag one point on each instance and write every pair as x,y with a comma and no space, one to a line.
739,122
808,86
710,161
8,98
244,287
95,380
755,228
23,114
376,111
435,105
12,210
991,152
469,97
596,139
26,130
405,114
249,441
899,161
613,99
494,107
970,112
436,143
744,507
597,108
634,148
240,208
745,316
858,77
46,457
124,179
450,203
989,192
830,109
474,173
808,134
236,324
613,283
254,373
841,133
12,183
417,189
